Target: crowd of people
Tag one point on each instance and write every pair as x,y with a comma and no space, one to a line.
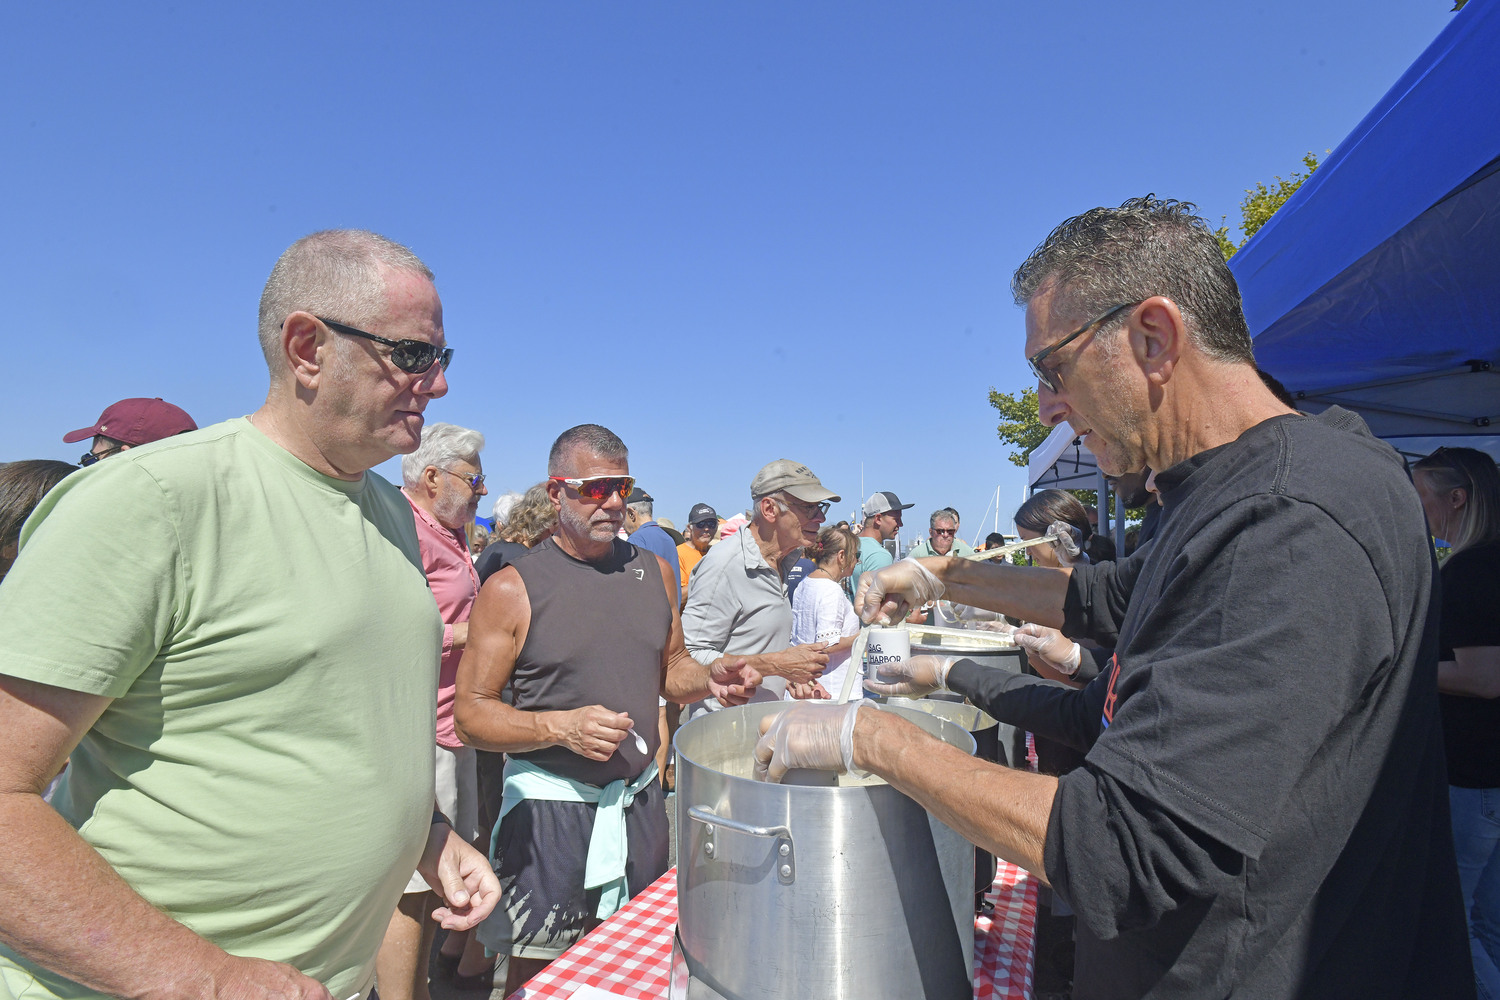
293,719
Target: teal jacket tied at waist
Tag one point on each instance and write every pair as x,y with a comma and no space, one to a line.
605,866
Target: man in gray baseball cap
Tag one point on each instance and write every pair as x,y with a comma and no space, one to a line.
737,602
882,523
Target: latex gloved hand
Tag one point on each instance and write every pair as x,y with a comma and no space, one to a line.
1068,544
998,625
888,595
912,677
808,735
1050,647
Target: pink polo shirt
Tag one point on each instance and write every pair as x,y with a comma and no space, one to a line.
454,584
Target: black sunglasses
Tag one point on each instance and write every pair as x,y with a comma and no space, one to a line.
411,356
1046,377
90,457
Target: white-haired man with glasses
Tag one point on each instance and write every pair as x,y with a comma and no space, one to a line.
443,480
584,634
242,681
737,599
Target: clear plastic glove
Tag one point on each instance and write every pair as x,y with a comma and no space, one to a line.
912,677
808,735
1050,647
998,625
1068,544
888,595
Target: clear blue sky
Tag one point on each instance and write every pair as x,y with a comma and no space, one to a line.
731,232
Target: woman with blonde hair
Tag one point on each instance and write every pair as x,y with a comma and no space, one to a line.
821,611
1460,492
531,521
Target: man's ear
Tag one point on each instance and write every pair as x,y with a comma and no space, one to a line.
1158,336
301,337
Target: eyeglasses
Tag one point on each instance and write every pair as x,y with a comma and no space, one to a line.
806,508
1045,377
475,482
90,457
411,356
945,531
703,525
598,488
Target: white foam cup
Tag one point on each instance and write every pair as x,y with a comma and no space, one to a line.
886,645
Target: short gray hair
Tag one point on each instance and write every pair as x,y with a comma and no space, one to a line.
336,274
588,438
942,514
642,508
1111,256
441,446
501,508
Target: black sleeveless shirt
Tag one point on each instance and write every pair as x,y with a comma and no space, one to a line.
597,635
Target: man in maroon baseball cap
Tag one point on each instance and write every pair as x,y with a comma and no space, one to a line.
128,423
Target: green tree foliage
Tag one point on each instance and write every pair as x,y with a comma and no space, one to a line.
1021,426
1019,423
1261,202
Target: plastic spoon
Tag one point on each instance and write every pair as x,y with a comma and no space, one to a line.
1006,550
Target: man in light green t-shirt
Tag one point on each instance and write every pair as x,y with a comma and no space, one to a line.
228,637
942,537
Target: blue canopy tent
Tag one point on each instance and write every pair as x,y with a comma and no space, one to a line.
1376,287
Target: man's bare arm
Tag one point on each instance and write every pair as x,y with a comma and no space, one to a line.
1474,671
65,908
1002,810
497,630
1031,593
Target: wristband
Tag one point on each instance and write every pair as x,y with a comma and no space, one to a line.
438,817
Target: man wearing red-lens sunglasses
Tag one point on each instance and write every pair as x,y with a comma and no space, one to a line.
585,634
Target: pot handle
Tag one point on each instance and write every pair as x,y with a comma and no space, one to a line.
786,855
703,814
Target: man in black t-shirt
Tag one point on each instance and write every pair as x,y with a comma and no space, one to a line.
1263,810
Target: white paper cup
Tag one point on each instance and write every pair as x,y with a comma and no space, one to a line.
886,645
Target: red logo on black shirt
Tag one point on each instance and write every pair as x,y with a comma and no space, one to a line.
1109,695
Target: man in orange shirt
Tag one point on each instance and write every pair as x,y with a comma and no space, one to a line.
702,524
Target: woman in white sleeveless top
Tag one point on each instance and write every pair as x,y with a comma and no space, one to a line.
822,613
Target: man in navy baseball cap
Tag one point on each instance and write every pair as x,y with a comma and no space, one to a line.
130,422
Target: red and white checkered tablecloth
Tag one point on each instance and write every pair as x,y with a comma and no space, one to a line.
630,953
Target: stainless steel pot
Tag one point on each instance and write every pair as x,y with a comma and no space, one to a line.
817,891
987,650
985,731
